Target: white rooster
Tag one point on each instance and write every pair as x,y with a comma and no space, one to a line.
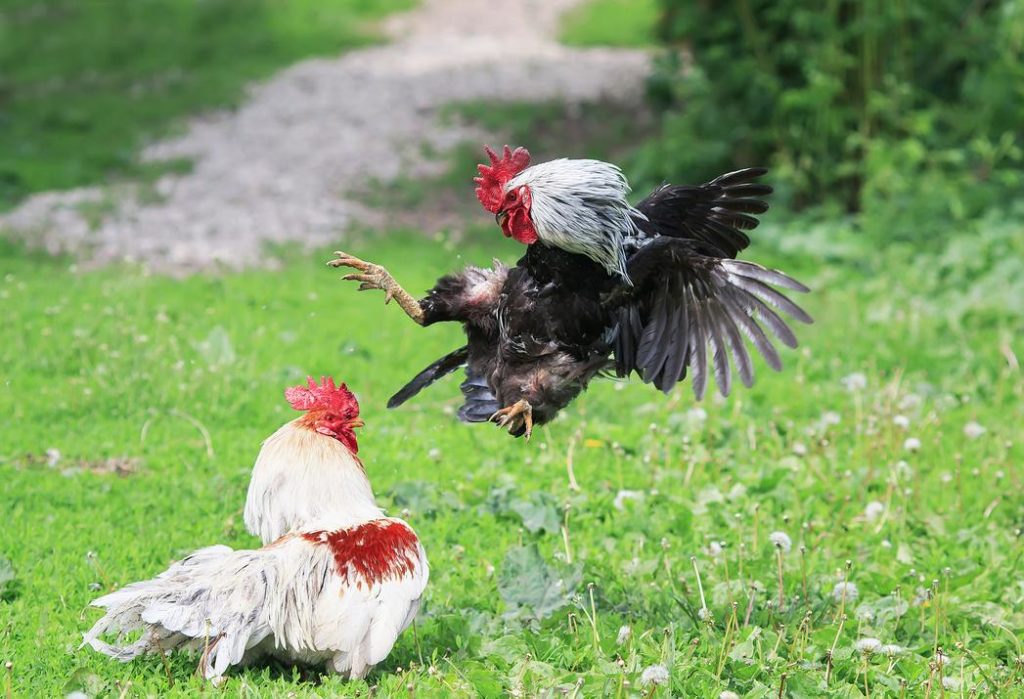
335,583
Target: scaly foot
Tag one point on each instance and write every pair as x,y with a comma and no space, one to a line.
519,414
373,276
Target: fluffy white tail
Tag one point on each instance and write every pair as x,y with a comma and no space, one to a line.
215,601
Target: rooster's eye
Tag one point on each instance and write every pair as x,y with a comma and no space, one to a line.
511,195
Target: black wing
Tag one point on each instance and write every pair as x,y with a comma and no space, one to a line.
714,215
686,308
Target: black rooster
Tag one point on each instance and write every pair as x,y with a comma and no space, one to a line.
603,286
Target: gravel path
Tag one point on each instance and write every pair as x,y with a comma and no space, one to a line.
279,168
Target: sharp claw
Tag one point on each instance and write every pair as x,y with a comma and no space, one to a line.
345,260
507,417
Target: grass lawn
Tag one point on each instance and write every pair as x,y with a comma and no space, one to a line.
84,84
134,406
626,23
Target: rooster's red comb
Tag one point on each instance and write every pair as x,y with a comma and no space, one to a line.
323,396
494,176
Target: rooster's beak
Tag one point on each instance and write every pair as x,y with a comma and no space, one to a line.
358,422
500,217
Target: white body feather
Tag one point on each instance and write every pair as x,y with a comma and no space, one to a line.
288,599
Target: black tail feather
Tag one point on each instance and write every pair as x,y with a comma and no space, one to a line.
437,370
480,401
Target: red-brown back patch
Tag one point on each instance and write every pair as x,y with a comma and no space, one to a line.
372,552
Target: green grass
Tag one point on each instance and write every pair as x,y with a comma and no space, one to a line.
181,379
84,84
623,23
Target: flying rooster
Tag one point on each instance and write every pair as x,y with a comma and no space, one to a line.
335,583
604,286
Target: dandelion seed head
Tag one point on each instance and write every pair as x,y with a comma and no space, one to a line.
624,633
845,590
973,430
728,695
620,498
891,649
854,382
715,549
951,683
912,444
901,421
873,510
799,449
911,400
52,456
654,675
782,540
831,417
903,470
946,477
697,414
868,645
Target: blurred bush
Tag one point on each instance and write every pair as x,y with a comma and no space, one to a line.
908,111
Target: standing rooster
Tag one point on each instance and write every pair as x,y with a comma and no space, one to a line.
335,583
653,289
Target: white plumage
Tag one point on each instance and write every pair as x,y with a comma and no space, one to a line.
335,583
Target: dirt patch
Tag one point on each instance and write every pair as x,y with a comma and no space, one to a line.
289,165
118,465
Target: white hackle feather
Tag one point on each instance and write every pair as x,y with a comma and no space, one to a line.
302,479
288,599
580,206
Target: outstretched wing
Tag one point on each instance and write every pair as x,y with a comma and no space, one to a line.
713,215
687,309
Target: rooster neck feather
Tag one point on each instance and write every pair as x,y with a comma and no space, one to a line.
580,206
303,478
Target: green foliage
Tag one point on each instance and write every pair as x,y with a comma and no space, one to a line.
84,84
907,110
182,379
625,23
529,584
